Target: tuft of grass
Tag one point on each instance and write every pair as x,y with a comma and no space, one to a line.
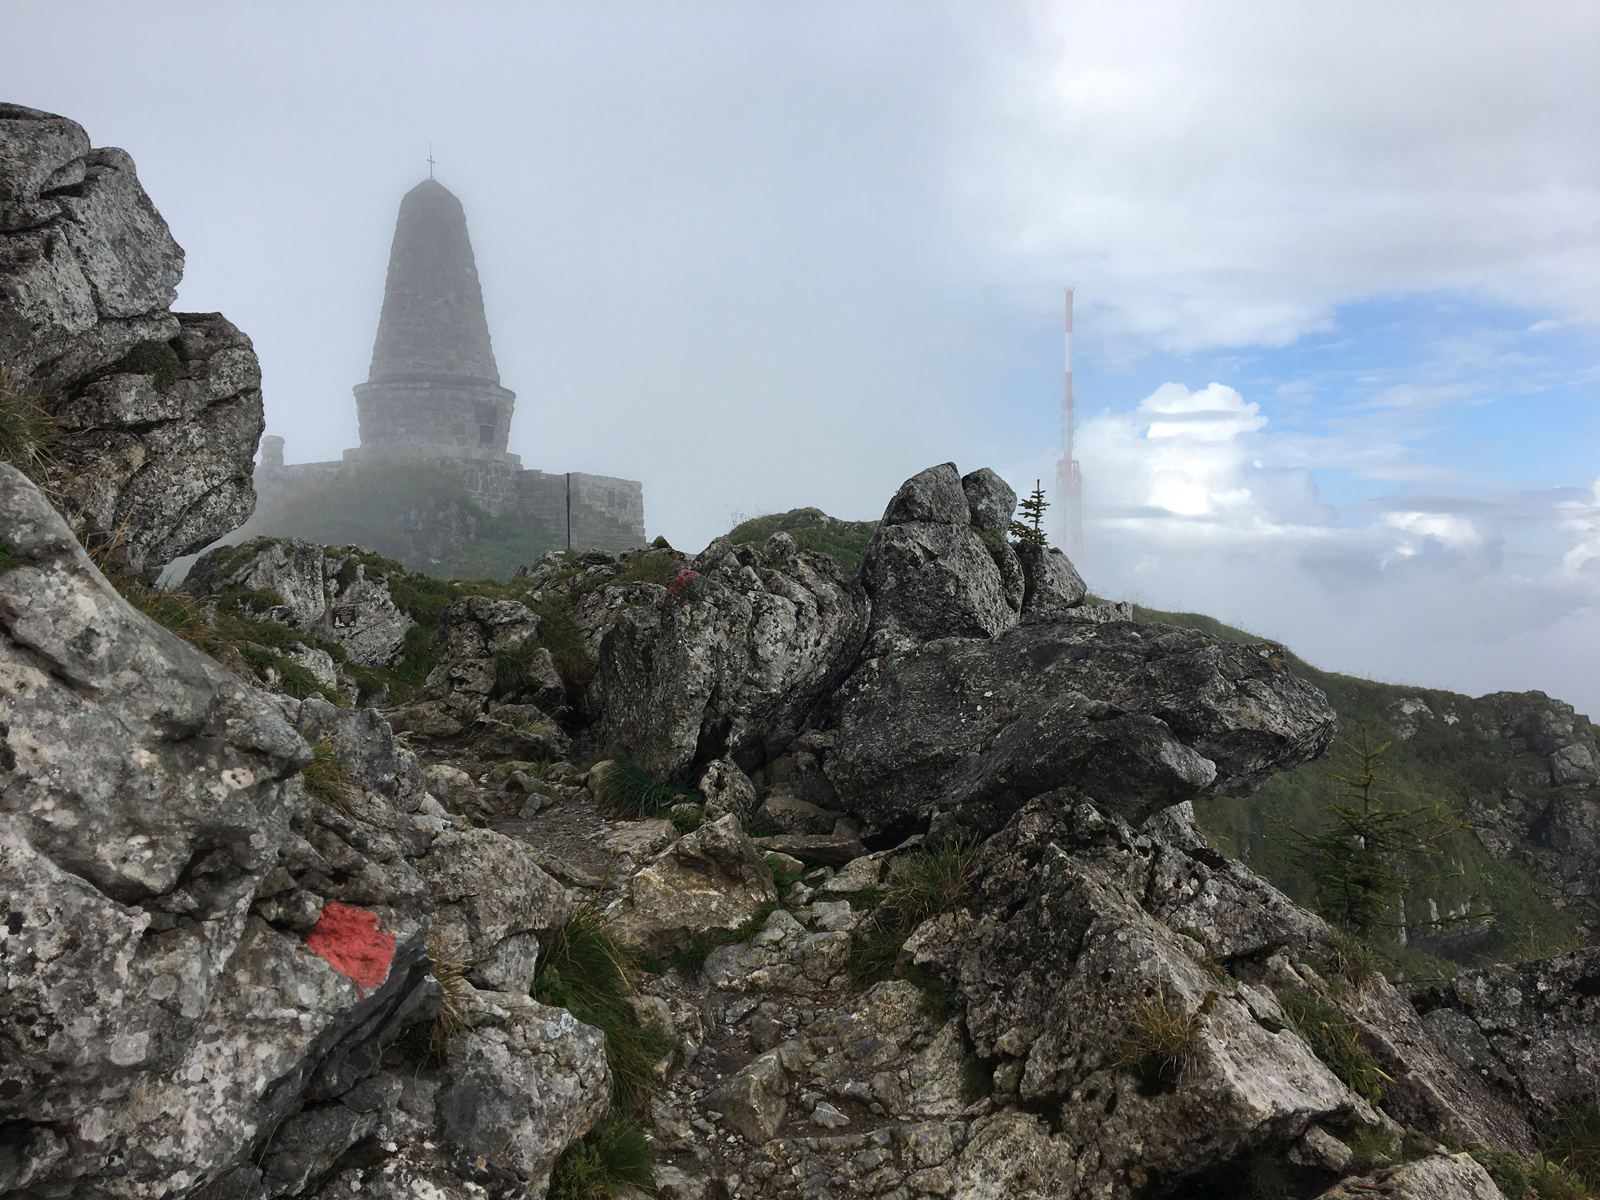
648,566
1334,1039
428,1045
613,1152
691,960
8,560
26,430
513,668
155,359
586,971
326,779
1162,1044
1574,1142
630,791
1354,959
1367,1145
685,818
936,881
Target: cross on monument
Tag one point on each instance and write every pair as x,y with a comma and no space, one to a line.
430,160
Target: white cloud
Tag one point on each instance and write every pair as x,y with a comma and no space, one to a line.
1216,513
1226,174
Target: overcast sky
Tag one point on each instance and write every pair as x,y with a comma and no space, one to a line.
1338,269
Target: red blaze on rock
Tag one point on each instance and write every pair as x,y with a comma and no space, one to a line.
353,944
680,581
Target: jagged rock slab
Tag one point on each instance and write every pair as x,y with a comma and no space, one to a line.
88,272
743,650
323,592
712,879
1057,964
965,731
929,572
1530,1030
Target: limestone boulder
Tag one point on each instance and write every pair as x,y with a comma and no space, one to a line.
782,957
929,572
517,1095
965,731
1058,968
990,501
732,659
156,414
494,906
1530,1030
337,594
727,789
1437,1177
712,879
1053,584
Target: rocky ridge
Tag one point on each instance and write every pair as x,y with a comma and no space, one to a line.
910,864
153,415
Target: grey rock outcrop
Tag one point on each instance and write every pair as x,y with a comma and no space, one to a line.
1437,1177
990,500
1140,718
713,879
1529,1030
495,906
334,594
477,637
1059,964
1054,587
741,652
152,451
928,571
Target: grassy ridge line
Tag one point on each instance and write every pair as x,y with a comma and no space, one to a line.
1442,761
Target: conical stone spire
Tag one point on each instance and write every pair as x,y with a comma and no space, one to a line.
433,390
432,322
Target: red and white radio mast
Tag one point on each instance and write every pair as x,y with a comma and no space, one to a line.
1069,479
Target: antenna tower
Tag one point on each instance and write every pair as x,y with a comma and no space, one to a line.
1069,479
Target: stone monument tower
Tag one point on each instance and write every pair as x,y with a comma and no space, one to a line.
433,389
433,395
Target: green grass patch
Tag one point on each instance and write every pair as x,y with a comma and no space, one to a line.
559,634
155,359
1333,1038
628,790
1574,1142
936,881
586,971
326,779
8,560
1544,1177
812,529
1369,1146
612,1153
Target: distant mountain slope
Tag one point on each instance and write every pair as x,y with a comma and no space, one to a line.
1519,764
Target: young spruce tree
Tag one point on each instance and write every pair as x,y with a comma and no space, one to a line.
1031,527
1361,860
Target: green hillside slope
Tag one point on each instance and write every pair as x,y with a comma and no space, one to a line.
1460,754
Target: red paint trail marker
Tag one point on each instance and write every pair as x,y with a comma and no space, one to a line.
353,944
681,581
